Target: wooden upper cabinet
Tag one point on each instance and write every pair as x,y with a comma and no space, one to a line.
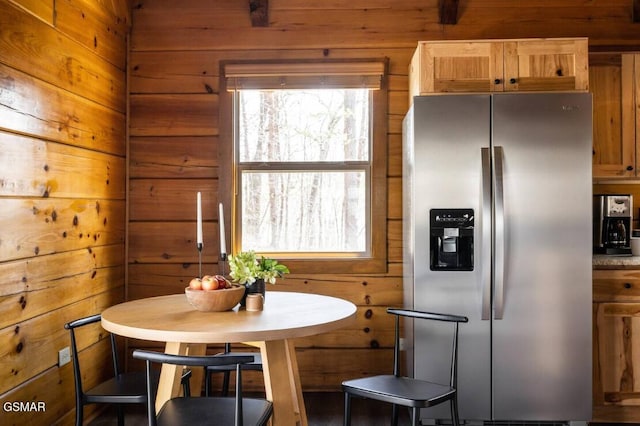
499,65
616,115
460,67
546,65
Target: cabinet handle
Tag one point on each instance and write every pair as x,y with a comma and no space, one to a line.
627,285
629,168
497,81
513,81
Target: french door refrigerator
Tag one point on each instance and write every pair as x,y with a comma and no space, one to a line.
497,206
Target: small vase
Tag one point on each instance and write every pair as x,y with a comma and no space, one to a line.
258,286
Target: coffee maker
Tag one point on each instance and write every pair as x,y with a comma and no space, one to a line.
612,219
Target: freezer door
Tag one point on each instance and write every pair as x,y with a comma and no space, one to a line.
542,318
450,133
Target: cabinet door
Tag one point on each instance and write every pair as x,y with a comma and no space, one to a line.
616,354
440,67
611,79
546,65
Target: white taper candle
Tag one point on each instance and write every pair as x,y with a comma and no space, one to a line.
223,243
199,216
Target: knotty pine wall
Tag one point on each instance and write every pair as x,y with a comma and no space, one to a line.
62,193
176,49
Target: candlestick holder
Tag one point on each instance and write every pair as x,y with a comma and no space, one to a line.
223,259
199,246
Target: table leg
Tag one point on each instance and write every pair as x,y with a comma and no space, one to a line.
170,375
282,383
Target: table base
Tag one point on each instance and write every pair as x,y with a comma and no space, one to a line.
281,379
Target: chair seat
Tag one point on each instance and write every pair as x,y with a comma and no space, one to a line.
126,388
208,411
400,390
256,365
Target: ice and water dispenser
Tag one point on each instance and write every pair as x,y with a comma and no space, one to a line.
451,239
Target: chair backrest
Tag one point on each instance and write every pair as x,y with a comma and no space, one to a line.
433,316
192,361
71,326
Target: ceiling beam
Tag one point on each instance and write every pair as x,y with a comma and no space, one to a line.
259,12
448,11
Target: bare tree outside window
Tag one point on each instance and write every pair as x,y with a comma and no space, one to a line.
305,164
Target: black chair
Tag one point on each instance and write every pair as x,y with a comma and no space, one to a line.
405,391
255,365
122,388
205,410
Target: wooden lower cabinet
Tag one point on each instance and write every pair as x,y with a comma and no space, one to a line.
616,345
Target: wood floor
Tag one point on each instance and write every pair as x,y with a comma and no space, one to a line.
323,409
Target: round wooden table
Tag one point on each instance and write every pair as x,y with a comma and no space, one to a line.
286,315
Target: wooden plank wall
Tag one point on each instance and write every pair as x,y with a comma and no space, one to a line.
62,193
176,51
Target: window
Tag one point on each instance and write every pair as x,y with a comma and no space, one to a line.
309,157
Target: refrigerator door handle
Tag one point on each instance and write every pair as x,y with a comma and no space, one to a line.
499,233
485,255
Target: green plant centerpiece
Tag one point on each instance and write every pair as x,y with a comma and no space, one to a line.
252,271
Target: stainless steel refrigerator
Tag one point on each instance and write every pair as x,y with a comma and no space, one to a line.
497,203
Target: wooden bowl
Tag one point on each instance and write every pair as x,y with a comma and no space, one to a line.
215,300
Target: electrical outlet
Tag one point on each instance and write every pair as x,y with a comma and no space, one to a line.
64,356
403,344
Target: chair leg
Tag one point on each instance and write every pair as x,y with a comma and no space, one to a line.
347,409
207,383
455,420
415,416
120,411
79,414
186,388
394,415
225,383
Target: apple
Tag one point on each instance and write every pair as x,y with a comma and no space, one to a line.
209,283
222,281
195,284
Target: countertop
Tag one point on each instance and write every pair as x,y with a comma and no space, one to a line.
609,261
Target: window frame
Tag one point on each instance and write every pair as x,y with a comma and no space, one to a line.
229,170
